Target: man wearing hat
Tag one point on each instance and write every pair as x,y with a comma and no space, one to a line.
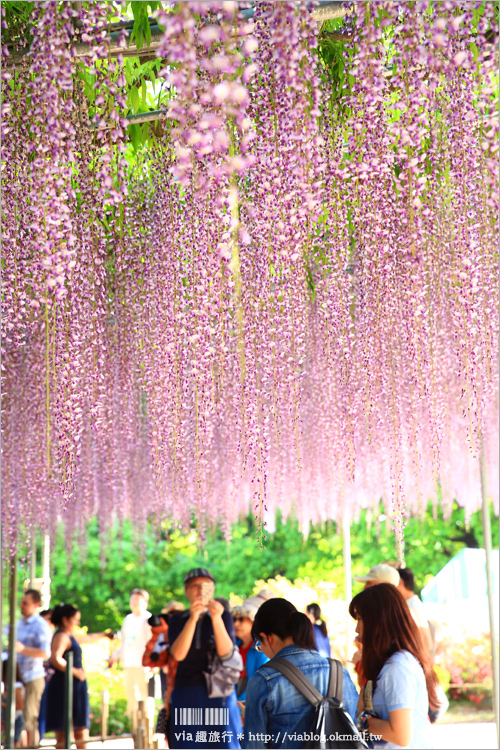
243,616
381,573
192,636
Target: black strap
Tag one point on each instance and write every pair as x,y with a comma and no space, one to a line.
197,633
336,682
297,678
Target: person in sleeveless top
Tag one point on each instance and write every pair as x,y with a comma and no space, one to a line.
66,618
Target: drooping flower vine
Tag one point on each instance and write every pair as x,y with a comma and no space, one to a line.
285,300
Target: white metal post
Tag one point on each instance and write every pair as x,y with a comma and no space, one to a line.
33,561
489,580
346,550
46,572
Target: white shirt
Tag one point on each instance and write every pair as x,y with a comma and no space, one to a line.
417,610
135,634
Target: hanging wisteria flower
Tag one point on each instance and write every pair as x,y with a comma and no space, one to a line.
285,299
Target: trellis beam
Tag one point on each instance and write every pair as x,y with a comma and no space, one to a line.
323,12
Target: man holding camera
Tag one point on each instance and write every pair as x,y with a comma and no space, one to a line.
135,633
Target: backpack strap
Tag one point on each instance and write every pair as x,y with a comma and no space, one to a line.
336,682
297,678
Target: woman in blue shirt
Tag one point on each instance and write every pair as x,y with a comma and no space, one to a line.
276,713
313,611
401,682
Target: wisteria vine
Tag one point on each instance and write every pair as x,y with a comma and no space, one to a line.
286,300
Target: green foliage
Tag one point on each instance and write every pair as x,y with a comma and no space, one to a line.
102,576
145,92
17,15
141,32
118,722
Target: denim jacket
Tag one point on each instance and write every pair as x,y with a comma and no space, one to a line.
275,711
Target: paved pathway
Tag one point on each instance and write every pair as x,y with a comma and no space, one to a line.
465,736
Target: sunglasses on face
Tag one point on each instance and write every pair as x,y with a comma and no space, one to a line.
238,619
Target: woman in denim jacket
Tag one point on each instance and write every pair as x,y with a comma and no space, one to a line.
276,713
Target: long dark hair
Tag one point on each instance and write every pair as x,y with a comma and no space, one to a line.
389,627
61,611
280,617
315,610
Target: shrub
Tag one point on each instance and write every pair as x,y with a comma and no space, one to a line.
112,680
100,678
466,661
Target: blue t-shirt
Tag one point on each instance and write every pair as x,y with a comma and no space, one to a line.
33,633
401,684
322,642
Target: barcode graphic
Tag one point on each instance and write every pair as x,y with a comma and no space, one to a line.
216,716
199,716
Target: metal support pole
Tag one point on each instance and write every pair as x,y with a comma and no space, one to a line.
68,698
489,580
346,551
10,712
46,572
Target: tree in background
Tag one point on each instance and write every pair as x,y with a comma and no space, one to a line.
100,577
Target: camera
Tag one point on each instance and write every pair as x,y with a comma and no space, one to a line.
157,621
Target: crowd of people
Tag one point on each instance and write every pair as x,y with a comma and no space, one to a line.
220,685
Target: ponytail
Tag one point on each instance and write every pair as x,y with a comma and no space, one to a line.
302,631
281,618
62,611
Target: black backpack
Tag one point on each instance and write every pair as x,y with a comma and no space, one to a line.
332,726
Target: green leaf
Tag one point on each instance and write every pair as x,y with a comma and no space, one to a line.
139,38
138,9
136,136
147,30
129,76
134,98
144,91
147,133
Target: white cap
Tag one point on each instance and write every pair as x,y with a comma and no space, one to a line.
382,574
